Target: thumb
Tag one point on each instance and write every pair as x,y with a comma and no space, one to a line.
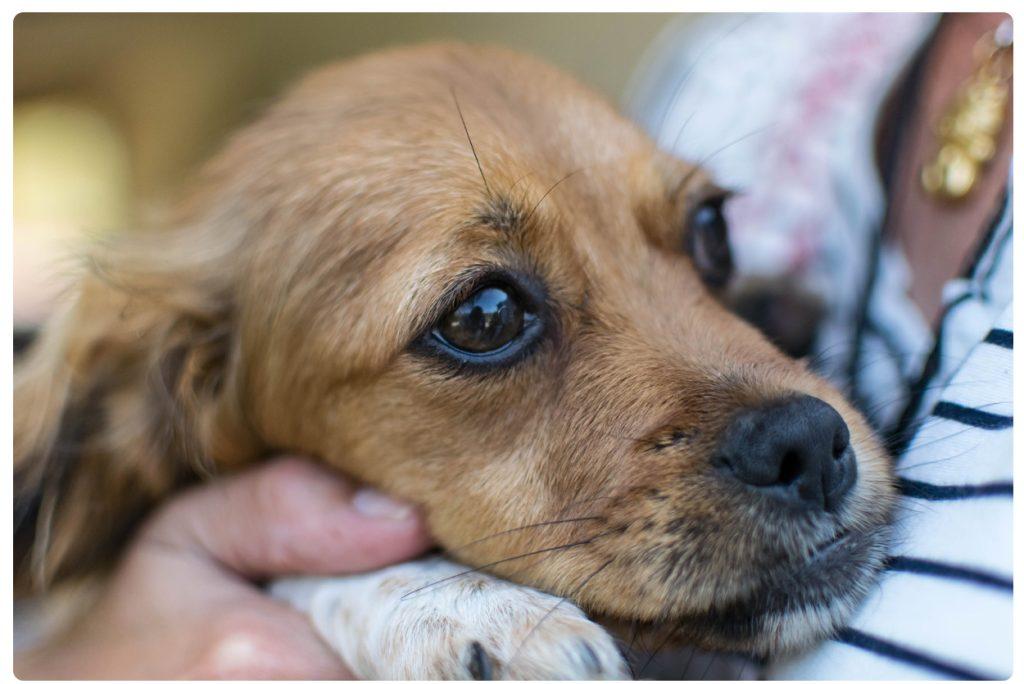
292,516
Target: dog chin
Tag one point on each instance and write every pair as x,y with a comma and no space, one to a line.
798,606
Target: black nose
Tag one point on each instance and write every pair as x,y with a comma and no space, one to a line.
797,451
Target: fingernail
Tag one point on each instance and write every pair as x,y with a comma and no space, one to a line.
372,504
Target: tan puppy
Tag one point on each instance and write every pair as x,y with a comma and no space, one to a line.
456,274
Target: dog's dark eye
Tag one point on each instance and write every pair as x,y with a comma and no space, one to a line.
707,240
488,320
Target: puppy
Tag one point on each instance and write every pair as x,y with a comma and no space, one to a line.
456,274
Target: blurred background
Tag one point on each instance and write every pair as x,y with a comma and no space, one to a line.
112,112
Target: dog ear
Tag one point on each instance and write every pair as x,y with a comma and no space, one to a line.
127,394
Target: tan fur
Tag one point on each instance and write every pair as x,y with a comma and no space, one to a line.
277,313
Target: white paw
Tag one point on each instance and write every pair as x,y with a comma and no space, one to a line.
522,634
391,625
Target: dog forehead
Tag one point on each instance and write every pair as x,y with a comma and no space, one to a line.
426,135
431,96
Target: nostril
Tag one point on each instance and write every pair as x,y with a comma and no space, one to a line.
838,451
841,442
789,468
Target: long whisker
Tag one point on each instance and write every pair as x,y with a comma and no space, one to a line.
904,468
708,157
743,669
634,633
657,649
561,547
711,662
875,406
526,527
557,605
472,147
549,191
904,437
693,65
679,135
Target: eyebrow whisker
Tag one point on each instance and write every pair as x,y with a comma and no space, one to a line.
549,191
708,157
472,147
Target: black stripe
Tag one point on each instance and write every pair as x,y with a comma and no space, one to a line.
903,654
985,244
920,566
1000,337
997,255
888,338
972,416
932,492
905,429
905,105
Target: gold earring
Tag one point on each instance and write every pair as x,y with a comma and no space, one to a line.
967,133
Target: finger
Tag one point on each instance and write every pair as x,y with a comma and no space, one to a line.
261,640
291,516
270,641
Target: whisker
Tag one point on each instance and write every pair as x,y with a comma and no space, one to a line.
472,147
557,605
549,191
904,468
679,135
520,180
723,148
561,547
634,633
526,527
928,388
693,65
743,669
689,661
910,431
700,164
661,645
707,668
935,441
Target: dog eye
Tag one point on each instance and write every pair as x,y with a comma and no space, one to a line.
707,238
488,320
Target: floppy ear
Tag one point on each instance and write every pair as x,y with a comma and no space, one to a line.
127,394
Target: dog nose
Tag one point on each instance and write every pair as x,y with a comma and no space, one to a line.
797,451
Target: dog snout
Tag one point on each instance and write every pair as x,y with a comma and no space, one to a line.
796,451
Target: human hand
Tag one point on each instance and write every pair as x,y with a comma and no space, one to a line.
183,603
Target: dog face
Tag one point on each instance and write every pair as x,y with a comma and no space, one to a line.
456,274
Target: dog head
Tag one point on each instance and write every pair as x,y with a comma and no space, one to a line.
458,275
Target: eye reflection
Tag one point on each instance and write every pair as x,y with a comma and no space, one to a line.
486,321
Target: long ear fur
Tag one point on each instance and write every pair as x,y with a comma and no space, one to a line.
128,393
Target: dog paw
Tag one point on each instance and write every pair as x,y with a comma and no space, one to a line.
432,619
542,637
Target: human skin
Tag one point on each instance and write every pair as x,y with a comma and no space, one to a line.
938,237
185,603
